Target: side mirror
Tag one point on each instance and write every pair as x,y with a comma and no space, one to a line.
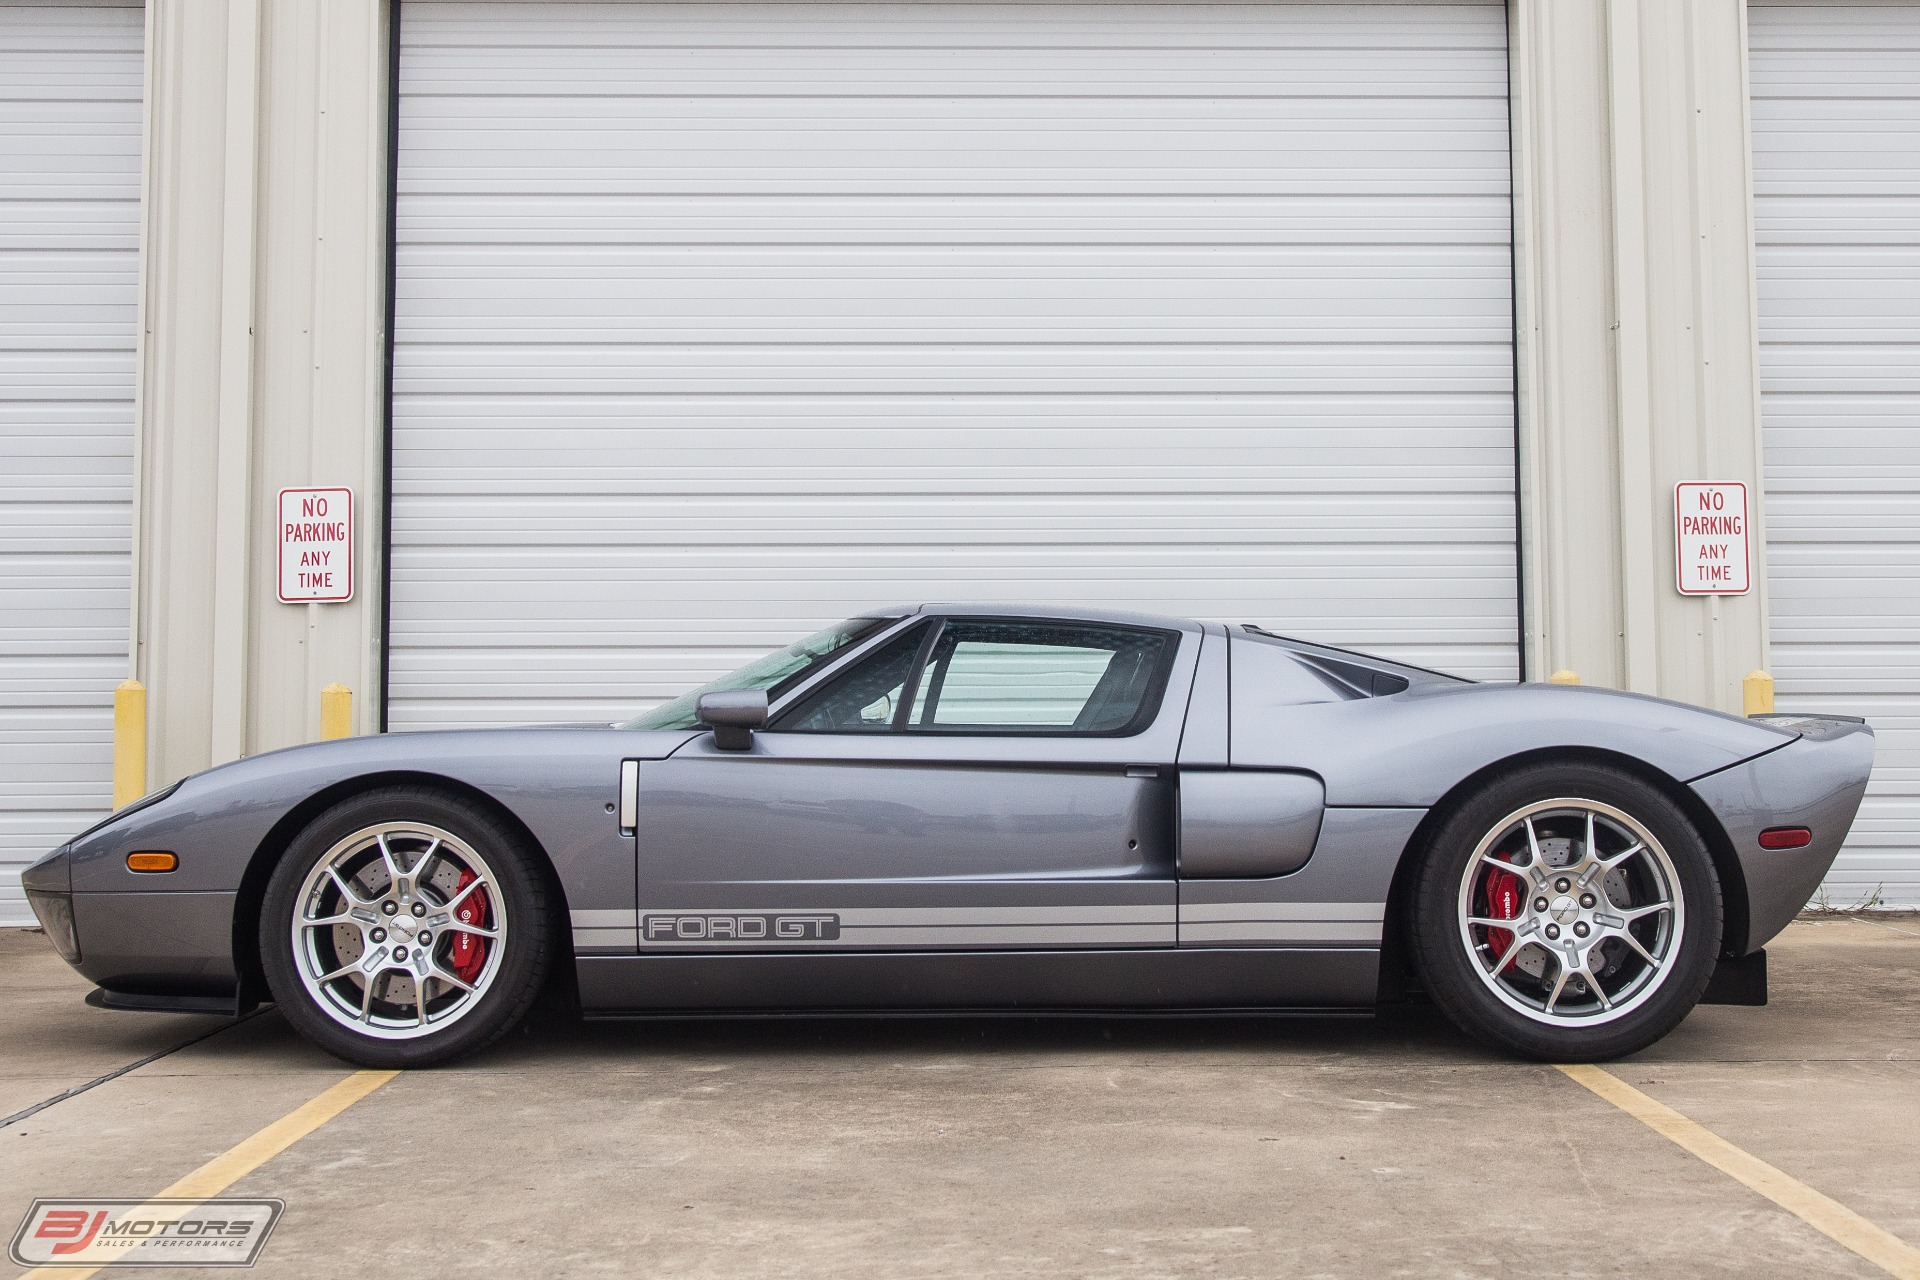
733,715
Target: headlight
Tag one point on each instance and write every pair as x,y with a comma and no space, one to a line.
55,913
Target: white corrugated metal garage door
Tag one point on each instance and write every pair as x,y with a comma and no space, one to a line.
1836,142
717,322
69,230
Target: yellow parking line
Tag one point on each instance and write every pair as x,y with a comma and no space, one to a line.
1828,1216
227,1168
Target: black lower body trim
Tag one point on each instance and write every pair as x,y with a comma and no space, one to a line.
1034,982
125,1001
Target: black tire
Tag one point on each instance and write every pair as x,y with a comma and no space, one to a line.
517,973
1455,976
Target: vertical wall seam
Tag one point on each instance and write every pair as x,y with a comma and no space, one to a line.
158,608
229,667
1548,472
1757,436
323,17
384,632
1709,641
148,498
1632,426
1521,561
143,319
1536,511
370,642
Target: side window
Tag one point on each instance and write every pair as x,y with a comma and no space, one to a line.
865,699
1041,677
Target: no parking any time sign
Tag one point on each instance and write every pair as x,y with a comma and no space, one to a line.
1710,539
316,545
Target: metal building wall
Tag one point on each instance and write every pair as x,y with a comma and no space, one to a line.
718,322
1836,139
263,297
70,79
263,368
1634,251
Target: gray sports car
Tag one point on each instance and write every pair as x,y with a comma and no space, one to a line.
978,809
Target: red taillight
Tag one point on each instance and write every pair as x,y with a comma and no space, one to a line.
1785,838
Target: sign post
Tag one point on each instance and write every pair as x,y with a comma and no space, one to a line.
1712,549
316,545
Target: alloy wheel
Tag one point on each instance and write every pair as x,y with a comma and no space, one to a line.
1571,912
399,930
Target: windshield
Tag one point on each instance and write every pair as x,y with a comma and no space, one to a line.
774,673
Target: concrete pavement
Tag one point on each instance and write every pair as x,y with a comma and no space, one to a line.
1216,1147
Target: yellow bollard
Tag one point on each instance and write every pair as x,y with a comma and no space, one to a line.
129,743
336,711
1564,677
1756,692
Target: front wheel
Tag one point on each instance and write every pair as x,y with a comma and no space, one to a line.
1567,913
404,929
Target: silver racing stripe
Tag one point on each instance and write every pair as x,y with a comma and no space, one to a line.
600,941
1242,933
1243,923
907,927
1197,911
604,932
1011,935
852,928
1151,913
605,919
878,917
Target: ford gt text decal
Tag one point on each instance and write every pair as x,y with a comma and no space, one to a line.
1199,924
812,927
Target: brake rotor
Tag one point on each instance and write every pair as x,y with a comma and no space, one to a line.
1556,852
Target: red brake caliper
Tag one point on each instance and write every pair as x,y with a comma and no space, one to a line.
1503,903
469,953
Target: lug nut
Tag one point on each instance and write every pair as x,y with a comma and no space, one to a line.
1539,904
1581,930
1587,900
423,938
1553,931
378,935
1562,885
399,953
419,908
389,907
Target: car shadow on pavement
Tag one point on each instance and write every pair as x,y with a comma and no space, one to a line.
554,1035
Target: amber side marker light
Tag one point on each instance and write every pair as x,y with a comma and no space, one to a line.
1785,838
168,861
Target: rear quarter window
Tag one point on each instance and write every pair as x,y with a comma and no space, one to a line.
1272,675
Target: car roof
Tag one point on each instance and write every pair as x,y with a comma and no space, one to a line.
1122,617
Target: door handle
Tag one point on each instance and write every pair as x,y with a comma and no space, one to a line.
629,797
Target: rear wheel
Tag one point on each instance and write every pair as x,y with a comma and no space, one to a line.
1567,912
404,929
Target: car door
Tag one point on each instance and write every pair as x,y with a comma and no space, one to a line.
968,783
